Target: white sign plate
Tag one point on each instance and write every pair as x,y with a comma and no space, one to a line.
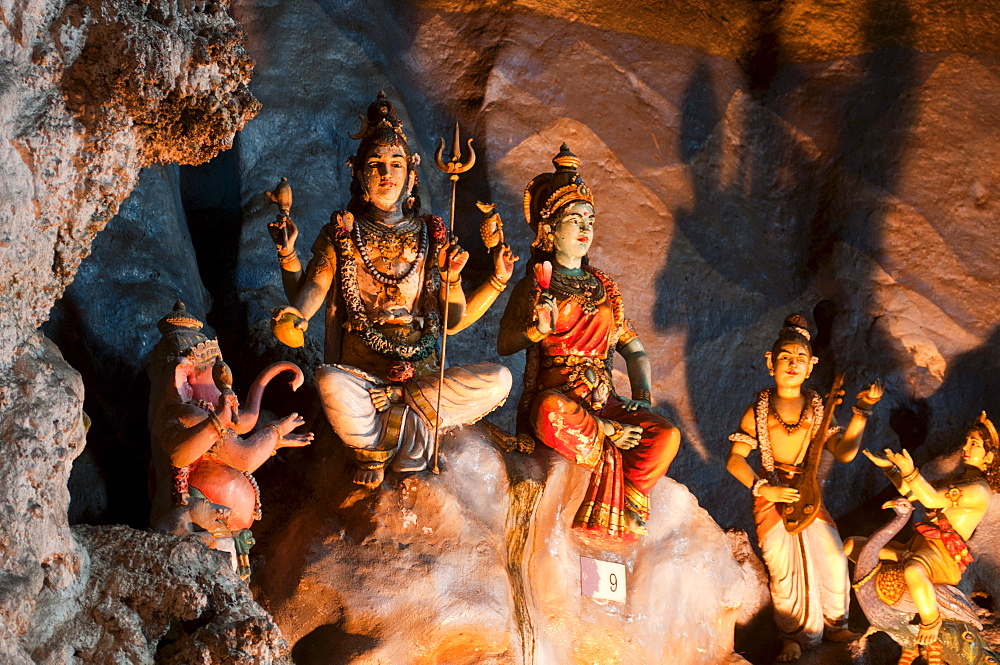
602,579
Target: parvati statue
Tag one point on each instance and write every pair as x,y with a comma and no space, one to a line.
570,318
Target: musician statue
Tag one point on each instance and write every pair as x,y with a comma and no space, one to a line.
383,270
569,316
791,427
937,554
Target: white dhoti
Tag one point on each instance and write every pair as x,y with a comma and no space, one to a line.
402,435
810,588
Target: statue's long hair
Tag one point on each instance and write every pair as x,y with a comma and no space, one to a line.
991,470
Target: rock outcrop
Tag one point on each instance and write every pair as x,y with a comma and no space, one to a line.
154,598
91,92
480,565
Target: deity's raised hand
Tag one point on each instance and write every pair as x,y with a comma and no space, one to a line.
902,460
284,233
870,396
546,313
503,262
288,325
878,461
452,259
288,439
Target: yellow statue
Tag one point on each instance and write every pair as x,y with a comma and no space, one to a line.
937,553
810,589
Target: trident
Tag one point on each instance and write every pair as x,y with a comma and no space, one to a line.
453,168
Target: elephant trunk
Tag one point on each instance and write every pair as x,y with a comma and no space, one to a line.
251,410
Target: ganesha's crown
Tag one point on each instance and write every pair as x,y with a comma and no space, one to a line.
203,353
182,338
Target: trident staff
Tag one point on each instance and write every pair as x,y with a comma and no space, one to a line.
453,168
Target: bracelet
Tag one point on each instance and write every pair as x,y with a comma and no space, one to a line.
220,431
911,475
275,428
536,335
642,395
454,282
858,411
757,484
933,624
287,258
497,284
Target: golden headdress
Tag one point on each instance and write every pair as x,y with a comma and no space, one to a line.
548,192
182,339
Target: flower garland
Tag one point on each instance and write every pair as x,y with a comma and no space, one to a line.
359,322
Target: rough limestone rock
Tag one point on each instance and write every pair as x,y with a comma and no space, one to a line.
41,430
154,598
90,93
480,565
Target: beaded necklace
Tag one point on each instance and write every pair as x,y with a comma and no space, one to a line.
790,428
358,320
390,246
585,289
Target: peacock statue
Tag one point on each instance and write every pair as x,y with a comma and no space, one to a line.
885,600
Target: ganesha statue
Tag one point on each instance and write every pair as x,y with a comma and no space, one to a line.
203,452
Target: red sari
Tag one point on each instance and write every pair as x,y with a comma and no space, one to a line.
572,370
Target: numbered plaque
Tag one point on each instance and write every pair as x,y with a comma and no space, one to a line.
602,579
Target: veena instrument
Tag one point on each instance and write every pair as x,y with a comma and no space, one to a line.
799,515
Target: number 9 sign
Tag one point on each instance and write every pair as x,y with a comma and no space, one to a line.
603,580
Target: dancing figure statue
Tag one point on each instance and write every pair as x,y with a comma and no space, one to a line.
807,568
569,316
920,575
201,480
383,271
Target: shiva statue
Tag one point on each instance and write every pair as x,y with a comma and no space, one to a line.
570,318
810,589
379,267
937,553
201,465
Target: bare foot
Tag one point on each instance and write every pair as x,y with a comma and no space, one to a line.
790,651
635,524
840,635
370,478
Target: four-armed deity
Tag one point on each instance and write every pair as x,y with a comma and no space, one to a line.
383,270
201,463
